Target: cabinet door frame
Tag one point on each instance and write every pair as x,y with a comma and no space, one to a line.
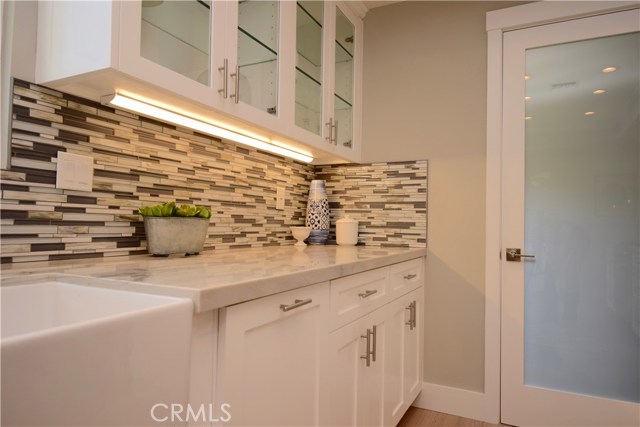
320,141
355,150
128,59
238,320
362,398
286,36
328,85
406,366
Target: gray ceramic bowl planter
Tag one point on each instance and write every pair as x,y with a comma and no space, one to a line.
173,235
172,229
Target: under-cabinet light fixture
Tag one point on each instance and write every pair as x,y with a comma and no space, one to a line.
167,115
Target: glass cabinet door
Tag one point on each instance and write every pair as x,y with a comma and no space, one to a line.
177,35
309,88
343,81
258,29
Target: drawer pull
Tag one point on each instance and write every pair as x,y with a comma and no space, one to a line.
410,276
368,293
297,303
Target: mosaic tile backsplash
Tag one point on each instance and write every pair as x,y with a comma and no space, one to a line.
389,200
139,161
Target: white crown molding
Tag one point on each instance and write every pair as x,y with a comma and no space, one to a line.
357,7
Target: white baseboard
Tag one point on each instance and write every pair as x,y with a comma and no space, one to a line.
450,400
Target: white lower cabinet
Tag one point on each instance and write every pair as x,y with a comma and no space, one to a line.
295,358
377,391
271,358
357,372
403,355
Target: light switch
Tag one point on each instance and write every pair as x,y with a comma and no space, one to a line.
75,172
280,198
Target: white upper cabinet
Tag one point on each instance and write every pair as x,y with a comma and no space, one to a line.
174,45
328,70
257,51
289,71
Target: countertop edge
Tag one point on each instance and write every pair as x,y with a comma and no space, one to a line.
217,296
211,299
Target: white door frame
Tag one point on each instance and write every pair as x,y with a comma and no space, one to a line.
497,23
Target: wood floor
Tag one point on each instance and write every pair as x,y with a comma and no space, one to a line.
416,417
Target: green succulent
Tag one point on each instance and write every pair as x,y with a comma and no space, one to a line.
170,209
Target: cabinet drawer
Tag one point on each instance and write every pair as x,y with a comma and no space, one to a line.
354,296
405,277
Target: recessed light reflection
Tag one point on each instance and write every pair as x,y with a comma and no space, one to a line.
528,118
609,69
527,98
527,77
589,113
599,91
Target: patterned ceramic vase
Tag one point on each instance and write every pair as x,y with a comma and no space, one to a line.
318,213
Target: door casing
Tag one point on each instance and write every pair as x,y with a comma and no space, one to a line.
497,23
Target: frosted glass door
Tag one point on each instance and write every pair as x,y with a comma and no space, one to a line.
582,293
176,35
571,191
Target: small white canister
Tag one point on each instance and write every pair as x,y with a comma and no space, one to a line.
347,231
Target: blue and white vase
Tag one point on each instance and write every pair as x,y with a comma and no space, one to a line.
318,213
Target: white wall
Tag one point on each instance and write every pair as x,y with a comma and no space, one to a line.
425,98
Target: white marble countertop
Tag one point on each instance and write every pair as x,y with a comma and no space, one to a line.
215,278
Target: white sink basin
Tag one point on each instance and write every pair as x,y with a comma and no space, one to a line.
80,355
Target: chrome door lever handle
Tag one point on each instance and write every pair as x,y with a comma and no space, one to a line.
513,254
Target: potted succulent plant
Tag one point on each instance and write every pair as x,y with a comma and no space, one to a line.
174,229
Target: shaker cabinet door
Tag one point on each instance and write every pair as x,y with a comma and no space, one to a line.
357,372
272,353
403,361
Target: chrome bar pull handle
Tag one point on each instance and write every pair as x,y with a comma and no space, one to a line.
412,315
514,254
367,352
375,345
410,276
413,319
225,83
410,322
330,124
297,303
236,96
367,293
335,132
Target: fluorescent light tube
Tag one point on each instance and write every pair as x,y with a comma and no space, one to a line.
160,113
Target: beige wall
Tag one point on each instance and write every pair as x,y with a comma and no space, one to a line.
425,98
